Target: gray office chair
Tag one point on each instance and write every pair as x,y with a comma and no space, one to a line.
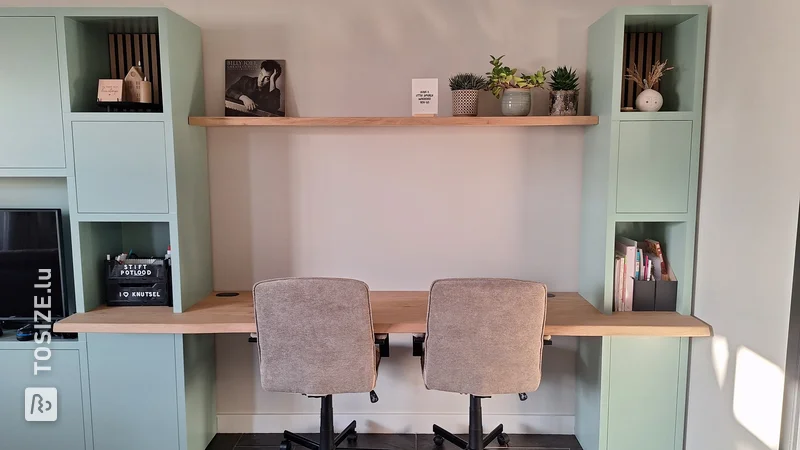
484,338
315,337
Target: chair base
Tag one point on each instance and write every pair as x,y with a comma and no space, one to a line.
327,439
476,439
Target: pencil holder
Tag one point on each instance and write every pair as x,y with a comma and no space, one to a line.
138,282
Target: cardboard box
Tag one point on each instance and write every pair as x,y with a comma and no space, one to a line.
110,90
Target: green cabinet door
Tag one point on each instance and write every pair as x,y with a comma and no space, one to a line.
120,167
31,130
133,391
653,168
67,431
643,393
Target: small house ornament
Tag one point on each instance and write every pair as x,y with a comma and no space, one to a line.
137,88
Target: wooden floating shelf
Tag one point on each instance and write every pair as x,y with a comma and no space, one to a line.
495,121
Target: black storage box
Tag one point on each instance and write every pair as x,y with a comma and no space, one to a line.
139,282
655,295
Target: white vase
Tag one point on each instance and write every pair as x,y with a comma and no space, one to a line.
649,101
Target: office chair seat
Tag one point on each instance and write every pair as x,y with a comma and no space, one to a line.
484,337
315,337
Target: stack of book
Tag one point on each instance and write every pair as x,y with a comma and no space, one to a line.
637,261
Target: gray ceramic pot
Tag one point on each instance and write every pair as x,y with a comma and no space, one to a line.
516,102
563,103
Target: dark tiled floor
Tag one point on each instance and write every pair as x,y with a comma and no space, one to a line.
518,442
271,441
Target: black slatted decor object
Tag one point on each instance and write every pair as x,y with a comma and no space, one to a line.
643,49
127,50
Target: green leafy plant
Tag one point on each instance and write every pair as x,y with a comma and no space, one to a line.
564,79
503,77
468,81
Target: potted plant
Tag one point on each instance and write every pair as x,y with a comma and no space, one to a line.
649,100
563,92
515,89
465,87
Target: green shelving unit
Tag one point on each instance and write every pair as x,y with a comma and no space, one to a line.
118,177
640,179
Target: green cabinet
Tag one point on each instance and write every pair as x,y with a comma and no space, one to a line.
640,180
152,391
120,167
133,391
118,175
68,431
643,402
31,130
653,169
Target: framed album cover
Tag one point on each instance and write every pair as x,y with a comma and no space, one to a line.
255,87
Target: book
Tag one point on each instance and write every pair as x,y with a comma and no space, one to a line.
254,87
660,269
619,281
627,247
615,289
639,263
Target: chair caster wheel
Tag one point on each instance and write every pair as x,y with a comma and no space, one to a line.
352,437
438,440
502,439
286,445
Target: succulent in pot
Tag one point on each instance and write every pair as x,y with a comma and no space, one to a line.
465,88
564,92
513,87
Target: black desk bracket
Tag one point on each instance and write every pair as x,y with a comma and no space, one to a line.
417,345
382,341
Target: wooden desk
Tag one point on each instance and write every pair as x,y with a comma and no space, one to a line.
568,314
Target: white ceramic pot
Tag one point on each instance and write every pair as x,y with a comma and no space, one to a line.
649,101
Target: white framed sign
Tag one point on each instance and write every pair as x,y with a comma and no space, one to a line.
424,97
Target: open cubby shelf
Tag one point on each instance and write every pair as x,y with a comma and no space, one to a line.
673,239
106,48
98,239
671,37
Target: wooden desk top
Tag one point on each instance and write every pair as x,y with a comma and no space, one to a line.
568,314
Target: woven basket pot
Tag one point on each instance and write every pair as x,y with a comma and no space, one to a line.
563,103
465,102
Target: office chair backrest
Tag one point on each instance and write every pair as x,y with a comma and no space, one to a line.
315,336
485,336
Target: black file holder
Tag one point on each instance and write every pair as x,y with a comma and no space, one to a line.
655,295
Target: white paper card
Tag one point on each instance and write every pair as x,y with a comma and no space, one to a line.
424,96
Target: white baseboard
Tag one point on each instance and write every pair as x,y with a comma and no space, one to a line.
394,423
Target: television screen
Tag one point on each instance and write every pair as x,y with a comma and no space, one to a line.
31,263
